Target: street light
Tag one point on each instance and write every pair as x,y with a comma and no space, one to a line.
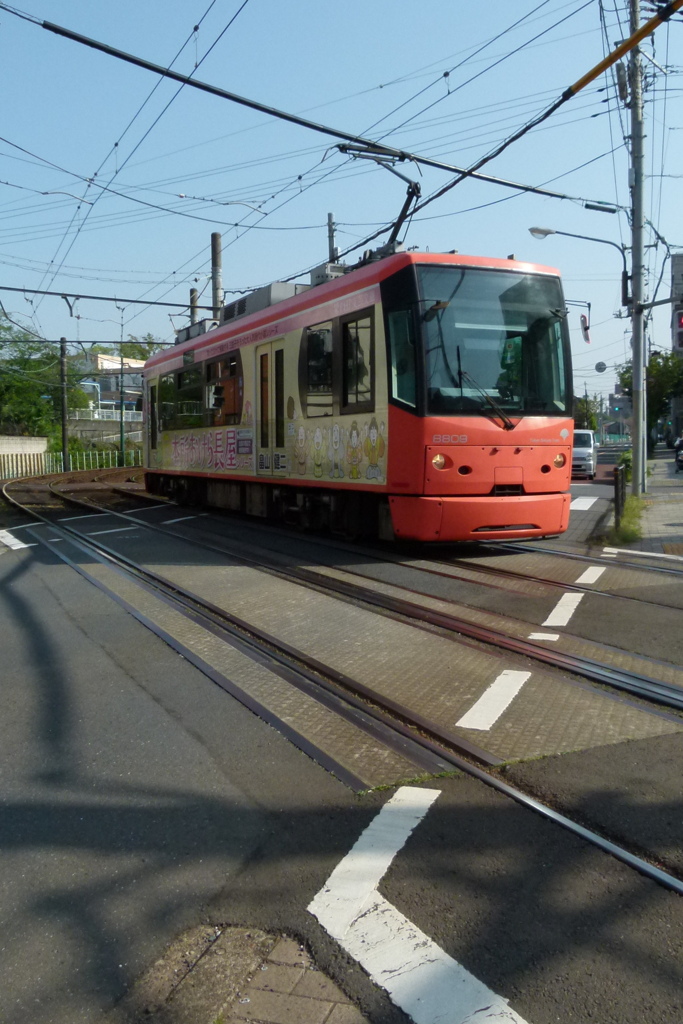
638,478
544,232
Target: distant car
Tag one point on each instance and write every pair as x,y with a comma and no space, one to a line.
584,454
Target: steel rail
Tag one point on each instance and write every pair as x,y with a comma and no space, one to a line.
620,853
636,684
575,555
383,710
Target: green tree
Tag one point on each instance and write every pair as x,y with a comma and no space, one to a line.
586,410
30,385
663,381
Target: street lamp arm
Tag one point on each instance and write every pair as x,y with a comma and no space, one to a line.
544,232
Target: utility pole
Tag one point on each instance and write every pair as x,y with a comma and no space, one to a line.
66,466
216,274
637,269
333,251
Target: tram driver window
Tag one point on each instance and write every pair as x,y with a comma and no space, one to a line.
319,370
357,364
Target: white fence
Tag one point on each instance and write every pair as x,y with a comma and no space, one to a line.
16,465
129,415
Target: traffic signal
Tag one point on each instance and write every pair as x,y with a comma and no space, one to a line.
677,326
218,393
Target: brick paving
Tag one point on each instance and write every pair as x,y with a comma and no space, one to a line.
288,989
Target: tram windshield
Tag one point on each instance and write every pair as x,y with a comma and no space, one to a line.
495,342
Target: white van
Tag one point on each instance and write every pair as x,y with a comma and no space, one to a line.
584,454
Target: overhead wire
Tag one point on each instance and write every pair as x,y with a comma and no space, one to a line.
155,122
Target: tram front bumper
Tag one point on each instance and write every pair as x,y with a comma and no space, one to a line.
479,518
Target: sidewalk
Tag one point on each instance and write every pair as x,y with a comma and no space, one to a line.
235,976
662,521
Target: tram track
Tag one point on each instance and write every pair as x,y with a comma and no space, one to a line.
455,627
419,740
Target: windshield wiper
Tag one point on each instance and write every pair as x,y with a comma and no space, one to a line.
499,411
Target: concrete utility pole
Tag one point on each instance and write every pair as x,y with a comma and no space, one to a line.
66,465
638,481
332,248
216,274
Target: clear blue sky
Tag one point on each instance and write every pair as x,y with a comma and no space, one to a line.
370,68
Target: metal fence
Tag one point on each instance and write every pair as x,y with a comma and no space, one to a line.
129,415
16,465
619,493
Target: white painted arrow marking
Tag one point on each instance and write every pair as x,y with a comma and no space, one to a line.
419,977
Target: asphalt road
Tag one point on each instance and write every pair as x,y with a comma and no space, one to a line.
138,799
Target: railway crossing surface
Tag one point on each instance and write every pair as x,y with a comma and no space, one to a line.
169,857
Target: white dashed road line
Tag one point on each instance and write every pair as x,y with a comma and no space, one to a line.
493,702
419,977
592,574
543,636
582,504
563,610
613,552
119,529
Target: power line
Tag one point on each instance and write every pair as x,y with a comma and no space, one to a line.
99,298
313,125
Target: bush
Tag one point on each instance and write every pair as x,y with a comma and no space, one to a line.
626,460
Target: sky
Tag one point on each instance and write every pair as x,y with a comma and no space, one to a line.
112,178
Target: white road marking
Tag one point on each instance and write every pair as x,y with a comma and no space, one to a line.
419,977
9,541
613,552
495,699
563,610
592,574
145,508
582,504
543,636
27,526
88,515
182,519
119,529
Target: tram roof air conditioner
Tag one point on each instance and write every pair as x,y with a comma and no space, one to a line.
194,330
260,299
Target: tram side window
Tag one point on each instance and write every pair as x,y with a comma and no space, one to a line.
224,391
190,400
167,402
402,342
319,370
357,364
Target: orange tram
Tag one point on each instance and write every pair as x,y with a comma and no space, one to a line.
417,396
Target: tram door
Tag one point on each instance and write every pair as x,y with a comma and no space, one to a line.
270,409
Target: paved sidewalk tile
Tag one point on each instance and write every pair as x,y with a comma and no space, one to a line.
288,989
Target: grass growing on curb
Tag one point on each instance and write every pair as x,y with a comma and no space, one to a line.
629,528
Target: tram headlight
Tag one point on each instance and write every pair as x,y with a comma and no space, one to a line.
439,461
559,460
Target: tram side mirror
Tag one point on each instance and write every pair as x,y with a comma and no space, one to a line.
585,328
